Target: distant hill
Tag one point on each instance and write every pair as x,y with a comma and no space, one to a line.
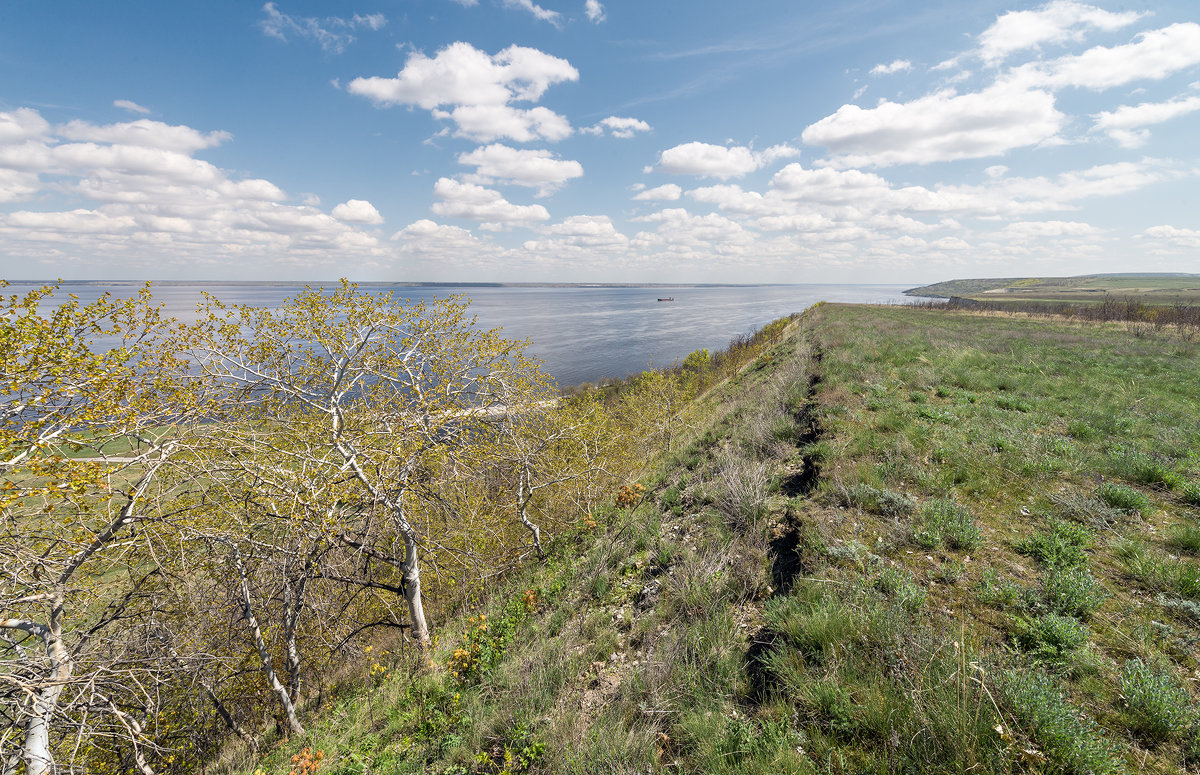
1157,288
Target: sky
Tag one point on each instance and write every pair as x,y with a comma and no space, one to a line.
783,141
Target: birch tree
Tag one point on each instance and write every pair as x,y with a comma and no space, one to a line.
375,395
84,432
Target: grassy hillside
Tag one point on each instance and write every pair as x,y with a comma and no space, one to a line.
1148,289
904,540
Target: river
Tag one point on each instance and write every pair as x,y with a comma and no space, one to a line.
582,333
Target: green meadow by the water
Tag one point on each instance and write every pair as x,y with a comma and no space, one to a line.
1148,289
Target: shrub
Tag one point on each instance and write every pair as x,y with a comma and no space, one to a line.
1157,706
1072,592
945,520
1070,741
1061,545
876,500
900,585
1124,498
1050,637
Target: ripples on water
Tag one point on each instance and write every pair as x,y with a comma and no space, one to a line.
582,333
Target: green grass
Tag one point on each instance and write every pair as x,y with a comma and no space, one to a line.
1000,541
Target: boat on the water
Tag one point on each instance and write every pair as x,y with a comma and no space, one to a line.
668,298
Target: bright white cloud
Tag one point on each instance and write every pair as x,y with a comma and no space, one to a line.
473,89
131,106
485,123
149,200
144,133
1061,21
938,127
718,161
594,11
683,234
668,192
1153,55
1042,229
1173,237
733,199
1123,124
489,207
618,126
357,211
580,231
842,191
896,66
331,33
538,169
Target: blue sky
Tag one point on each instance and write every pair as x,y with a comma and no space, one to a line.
598,141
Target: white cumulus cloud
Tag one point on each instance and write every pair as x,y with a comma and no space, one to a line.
1061,21
357,211
489,207
1153,55
148,201
538,169
718,161
668,192
1173,236
896,66
144,133
618,126
1124,124
938,127
473,89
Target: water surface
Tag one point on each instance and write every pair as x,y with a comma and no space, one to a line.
583,334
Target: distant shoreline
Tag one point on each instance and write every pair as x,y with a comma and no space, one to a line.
283,284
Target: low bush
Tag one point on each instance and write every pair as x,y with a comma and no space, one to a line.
1157,706
1061,545
899,585
1124,498
1070,741
944,521
1072,592
742,486
1050,637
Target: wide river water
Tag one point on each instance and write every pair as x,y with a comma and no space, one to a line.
583,334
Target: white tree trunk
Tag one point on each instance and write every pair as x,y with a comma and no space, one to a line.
264,654
412,593
38,758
